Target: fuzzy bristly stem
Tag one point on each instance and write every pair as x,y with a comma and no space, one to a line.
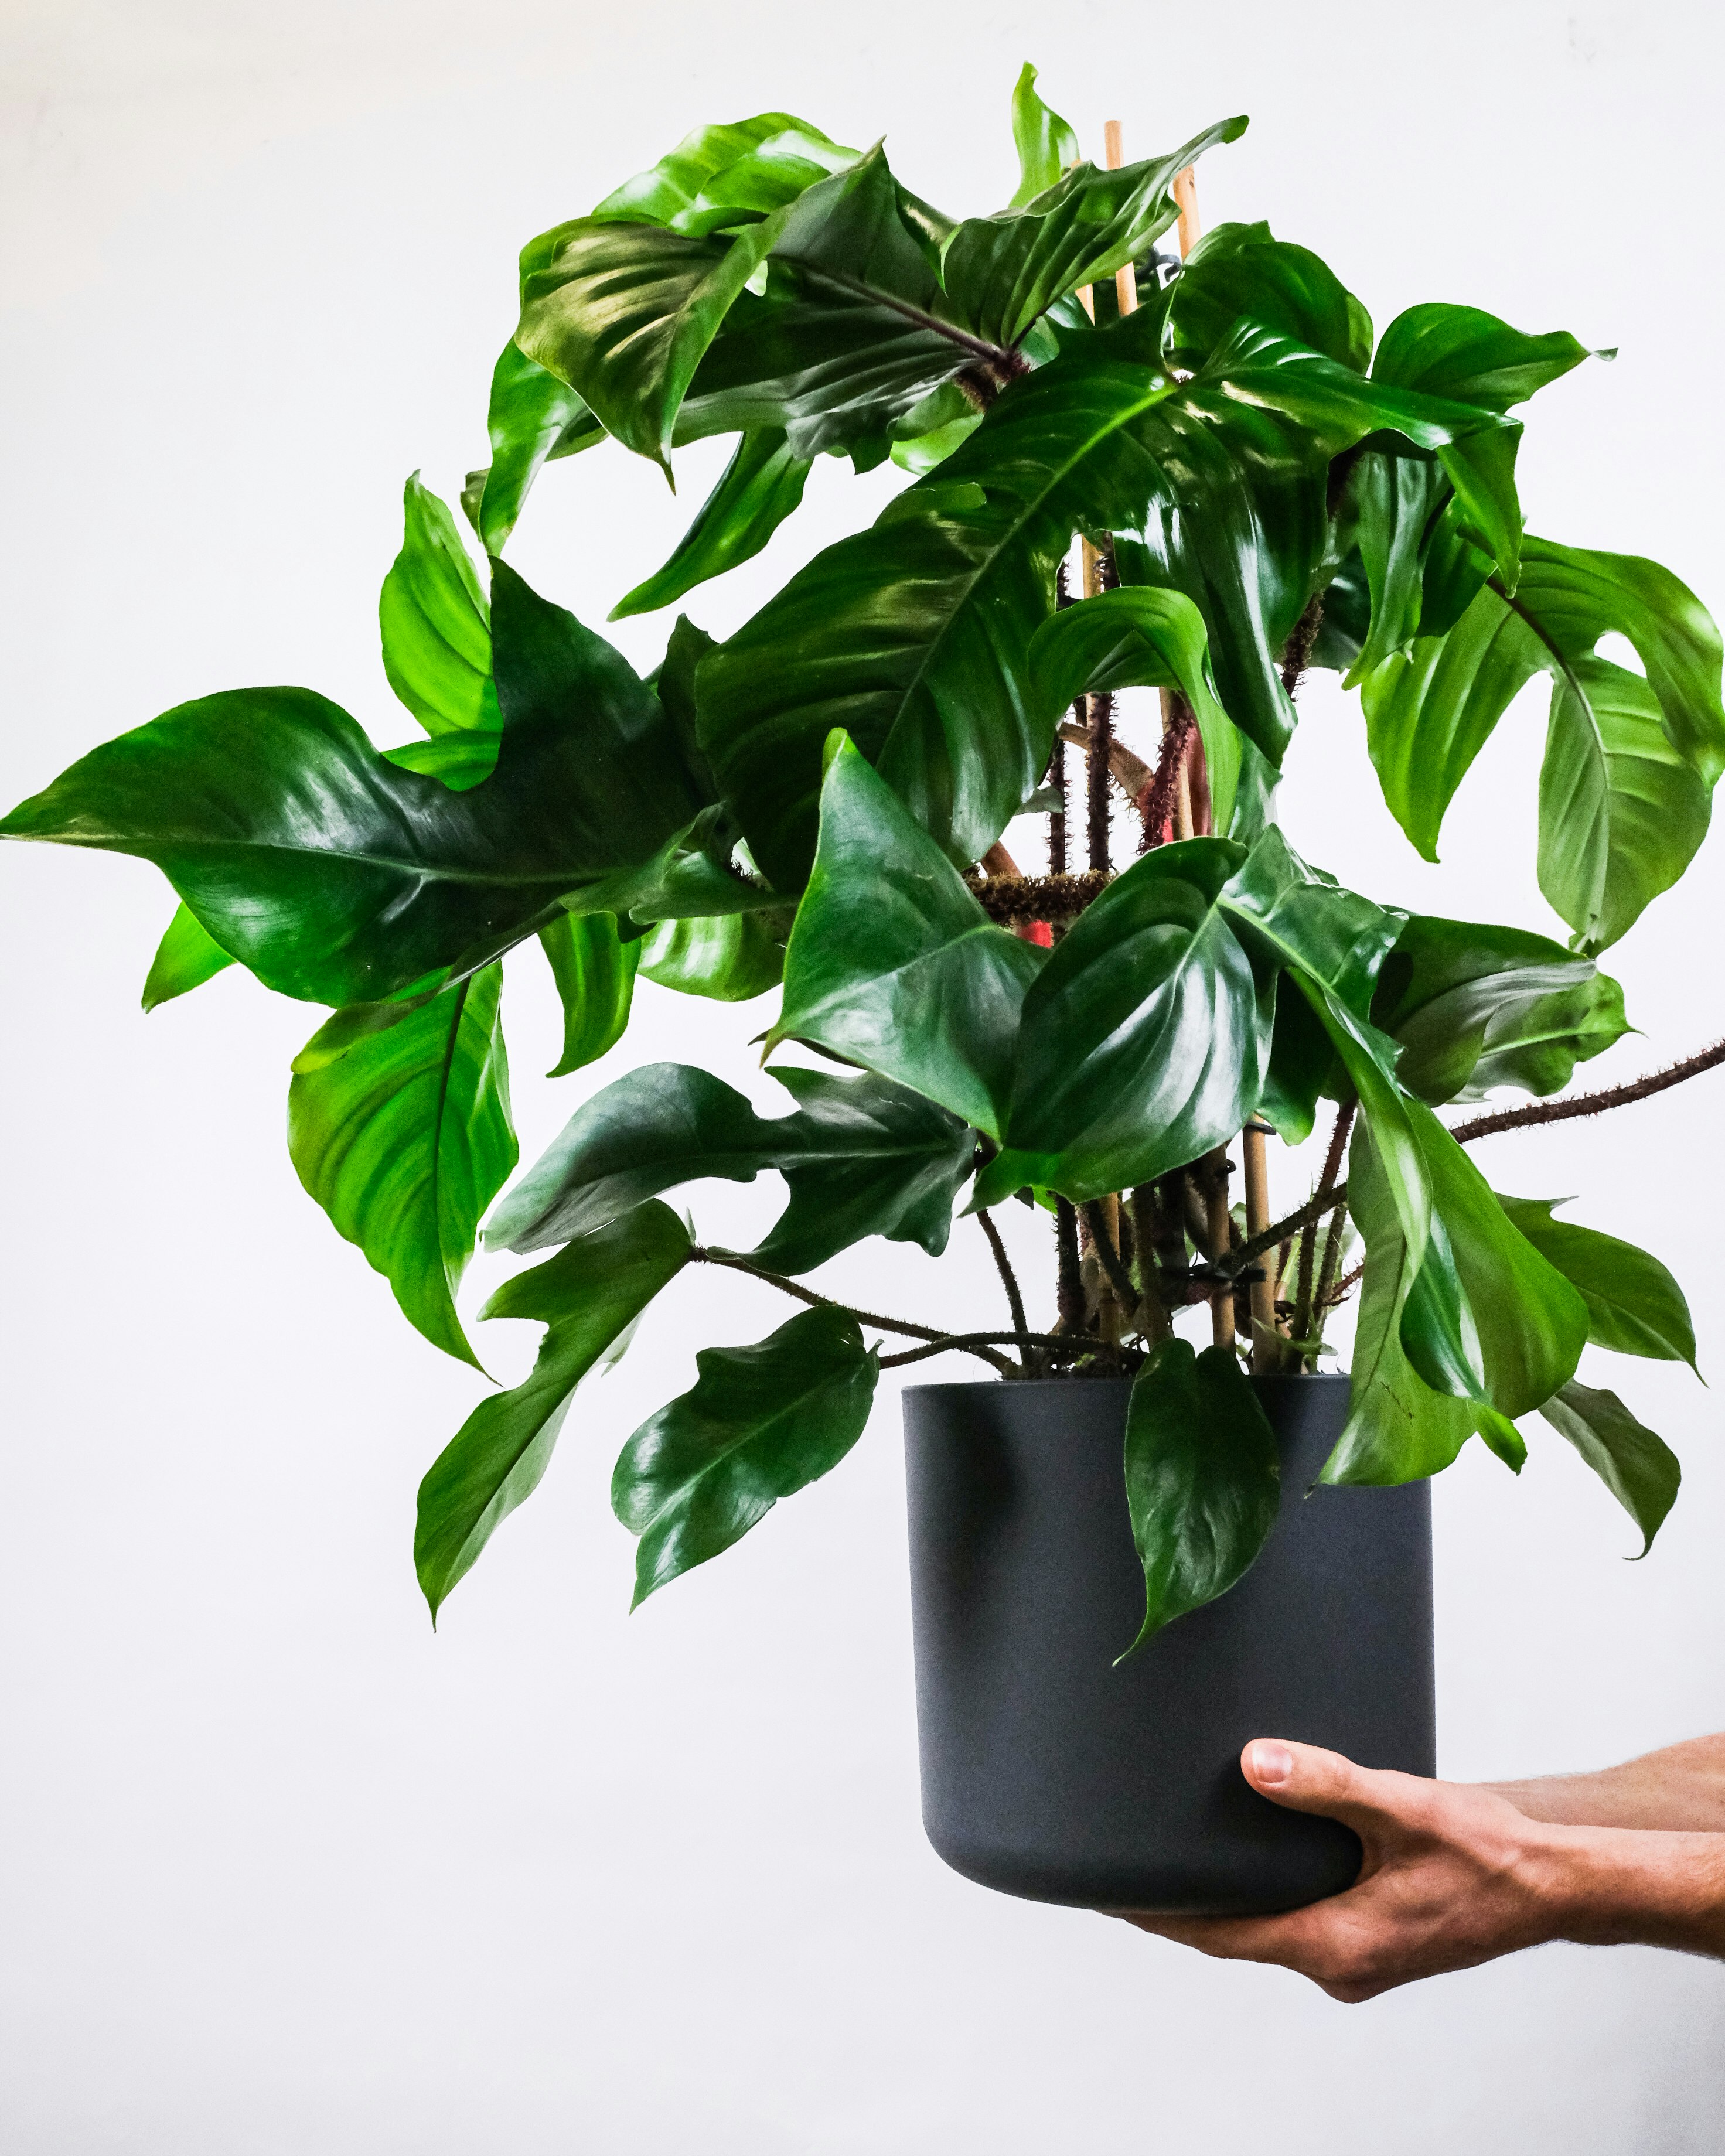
1072,1344
1118,1277
1009,899
1069,1274
1157,803
808,1294
1590,1104
1009,1278
1305,1289
1097,803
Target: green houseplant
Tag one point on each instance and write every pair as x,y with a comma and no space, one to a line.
815,807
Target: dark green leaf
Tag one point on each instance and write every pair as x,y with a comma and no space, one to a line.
186,957
1238,272
595,973
534,418
1462,353
1634,1304
588,1296
1203,1481
338,877
406,1140
1474,1006
1045,144
1640,1470
1002,273
863,1156
436,624
728,957
760,1424
892,963
760,487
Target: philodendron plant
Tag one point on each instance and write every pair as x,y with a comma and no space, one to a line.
1250,483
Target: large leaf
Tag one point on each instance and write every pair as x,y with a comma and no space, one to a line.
1640,1470
860,1156
758,489
1141,637
534,418
1634,1304
1046,145
595,973
1203,1479
914,636
760,1424
436,624
893,964
1629,765
406,1140
724,174
1474,1006
1238,272
339,877
186,957
1002,273
587,1296
1621,813
1464,353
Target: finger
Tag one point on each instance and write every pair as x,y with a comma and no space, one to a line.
1307,1779
1284,1940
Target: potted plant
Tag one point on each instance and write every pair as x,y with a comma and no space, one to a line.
1257,485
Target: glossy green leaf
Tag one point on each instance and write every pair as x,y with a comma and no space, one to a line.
1619,816
1464,353
863,1156
1474,1006
717,171
893,964
1391,506
436,624
534,418
587,1297
1203,1478
729,958
758,489
1621,813
595,973
186,957
1002,273
760,1424
406,1140
1140,637
646,1132
458,761
1046,145
1640,1470
1634,1304
1238,272
394,877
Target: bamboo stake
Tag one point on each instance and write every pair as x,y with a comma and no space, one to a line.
1185,824
1126,278
1267,1356
1215,1213
1186,200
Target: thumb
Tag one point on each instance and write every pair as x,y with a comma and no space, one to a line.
1307,1778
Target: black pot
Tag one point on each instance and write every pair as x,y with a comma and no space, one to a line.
1049,1773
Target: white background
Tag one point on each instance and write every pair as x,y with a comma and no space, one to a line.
281,1871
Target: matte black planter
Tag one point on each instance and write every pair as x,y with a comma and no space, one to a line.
1047,1771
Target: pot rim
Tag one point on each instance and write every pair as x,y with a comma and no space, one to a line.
1323,1378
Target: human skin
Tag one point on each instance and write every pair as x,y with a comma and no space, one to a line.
1456,1874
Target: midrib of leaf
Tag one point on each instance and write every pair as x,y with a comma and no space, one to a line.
437,1134
786,1412
964,339
1601,757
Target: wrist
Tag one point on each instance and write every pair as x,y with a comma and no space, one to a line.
1624,1885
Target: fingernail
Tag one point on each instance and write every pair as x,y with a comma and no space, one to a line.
1272,1762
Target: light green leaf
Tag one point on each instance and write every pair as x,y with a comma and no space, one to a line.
1045,144
729,958
587,1296
758,489
436,624
1463,353
722,168
405,1140
595,973
1203,1479
534,418
760,1424
1634,1304
1640,1470
187,956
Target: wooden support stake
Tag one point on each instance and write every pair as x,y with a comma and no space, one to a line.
1214,1171
1126,278
1186,199
1267,1356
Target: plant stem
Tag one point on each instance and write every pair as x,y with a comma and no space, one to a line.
1590,1104
971,1343
808,1294
1119,1278
1069,1277
1009,1278
1303,1302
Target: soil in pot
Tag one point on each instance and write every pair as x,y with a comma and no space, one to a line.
1047,1771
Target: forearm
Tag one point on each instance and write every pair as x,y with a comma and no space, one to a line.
1628,1887
1678,1790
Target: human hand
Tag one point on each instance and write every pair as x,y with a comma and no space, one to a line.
1453,1876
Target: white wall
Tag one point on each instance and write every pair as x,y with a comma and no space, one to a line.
280,1869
